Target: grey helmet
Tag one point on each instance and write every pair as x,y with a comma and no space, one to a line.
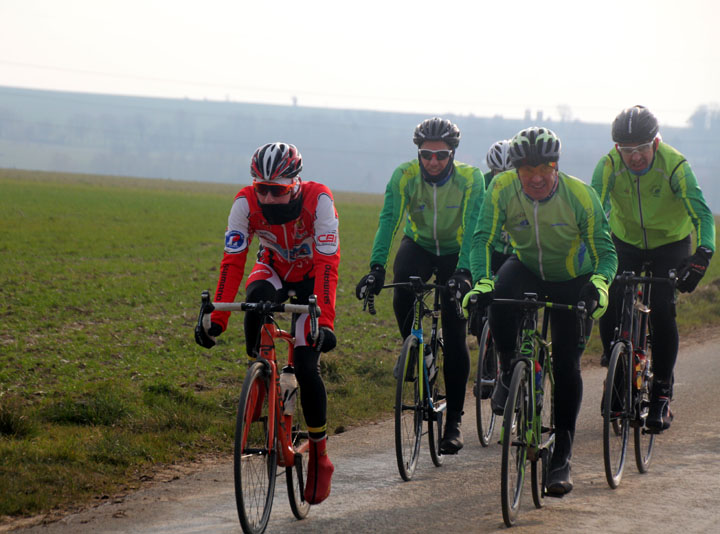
498,157
635,125
437,129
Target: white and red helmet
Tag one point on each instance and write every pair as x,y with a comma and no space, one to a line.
275,161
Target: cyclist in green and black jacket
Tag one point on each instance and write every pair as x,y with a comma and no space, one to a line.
441,197
498,160
654,202
563,252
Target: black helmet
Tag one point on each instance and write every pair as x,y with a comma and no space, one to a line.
437,129
534,146
635,125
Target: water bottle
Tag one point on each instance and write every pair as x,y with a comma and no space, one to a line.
430,363
639,368
288,388
538,386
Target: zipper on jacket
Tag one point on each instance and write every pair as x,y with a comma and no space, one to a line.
642,222
435,216
536,204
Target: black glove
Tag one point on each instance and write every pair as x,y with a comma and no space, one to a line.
458,285
595,295
207,339
325,342
692,269
378,272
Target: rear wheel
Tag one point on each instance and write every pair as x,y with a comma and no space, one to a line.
515,430
488,370
644,441
540,466
296,475
436,414
255,460
408,409
616,414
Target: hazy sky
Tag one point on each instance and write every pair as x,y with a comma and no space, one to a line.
476,56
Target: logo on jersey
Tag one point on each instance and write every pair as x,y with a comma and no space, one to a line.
234,241
327,239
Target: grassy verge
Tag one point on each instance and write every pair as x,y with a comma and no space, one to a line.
100,379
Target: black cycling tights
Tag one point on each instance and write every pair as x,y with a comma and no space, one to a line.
513,280
413,260
662,311
313,397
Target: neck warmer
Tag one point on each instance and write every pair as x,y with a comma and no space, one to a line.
441,178
282,213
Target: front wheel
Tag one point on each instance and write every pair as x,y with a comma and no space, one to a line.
408,409
616,414
255,458
436,412
516,429
296,475
488,370
545,400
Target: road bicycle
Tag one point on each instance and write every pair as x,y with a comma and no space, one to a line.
420,391
268,434
528,429
626,399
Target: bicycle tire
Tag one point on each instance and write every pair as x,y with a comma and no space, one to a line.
644,441
616,414
437,413
255,459
488,369
516,427
539,467
296,475
408,409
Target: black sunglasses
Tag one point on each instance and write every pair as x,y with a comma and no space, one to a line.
441,155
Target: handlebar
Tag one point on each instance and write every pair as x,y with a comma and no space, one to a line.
415,283
263,308
628,277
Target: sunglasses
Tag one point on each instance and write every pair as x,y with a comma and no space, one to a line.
276,190
441,155
629,150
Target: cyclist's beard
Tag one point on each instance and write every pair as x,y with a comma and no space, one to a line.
282,213
440,178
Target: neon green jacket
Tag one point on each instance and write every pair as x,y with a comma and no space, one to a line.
503,245
558,239
439,218
657,208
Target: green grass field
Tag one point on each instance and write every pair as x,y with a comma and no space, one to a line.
100,379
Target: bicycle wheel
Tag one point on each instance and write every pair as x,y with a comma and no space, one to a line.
515,430
539,467
487,374
296,475
436,415
616,414
255,459
644,440
408,409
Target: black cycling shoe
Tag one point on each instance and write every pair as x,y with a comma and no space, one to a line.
559,481
452,440
604,360
500,395
659,416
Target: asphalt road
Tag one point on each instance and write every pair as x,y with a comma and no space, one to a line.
680,493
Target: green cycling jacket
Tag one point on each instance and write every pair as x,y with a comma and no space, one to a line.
503,245
439,217
558,239
660,207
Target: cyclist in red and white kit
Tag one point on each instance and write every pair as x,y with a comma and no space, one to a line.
297,225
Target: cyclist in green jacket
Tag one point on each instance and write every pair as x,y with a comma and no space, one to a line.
563,252
441,198
654,202
498,160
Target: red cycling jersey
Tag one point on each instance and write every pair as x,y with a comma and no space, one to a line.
306,247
